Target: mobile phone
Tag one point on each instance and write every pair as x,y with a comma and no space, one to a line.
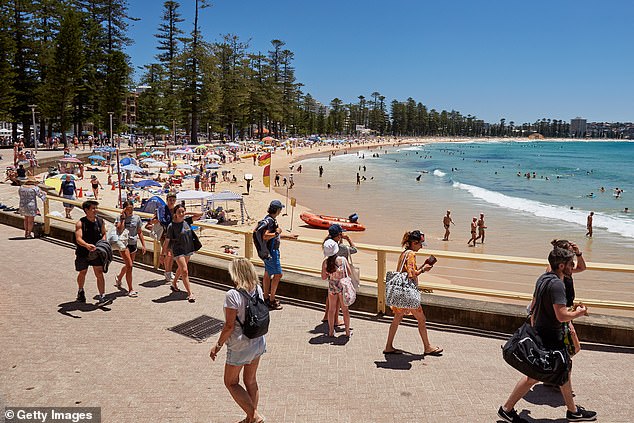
431,260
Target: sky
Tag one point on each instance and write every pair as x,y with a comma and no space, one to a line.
517,60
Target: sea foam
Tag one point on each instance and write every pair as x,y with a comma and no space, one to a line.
439,173
614,224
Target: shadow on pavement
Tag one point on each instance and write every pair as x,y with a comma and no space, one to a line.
325,339
20,238
153,283
67,308
173,296
545,395
399,361
525,414
607,348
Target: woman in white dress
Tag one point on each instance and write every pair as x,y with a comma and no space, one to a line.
28,204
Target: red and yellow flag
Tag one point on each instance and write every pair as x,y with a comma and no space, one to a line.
264,159
266,175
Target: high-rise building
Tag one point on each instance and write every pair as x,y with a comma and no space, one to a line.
578,127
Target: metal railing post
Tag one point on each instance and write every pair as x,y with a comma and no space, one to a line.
248,245
47,220
157,253
381,269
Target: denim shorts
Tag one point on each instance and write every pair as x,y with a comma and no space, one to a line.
247,355
272,265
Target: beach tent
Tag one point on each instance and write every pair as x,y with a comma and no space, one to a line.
146,183
152,204
127,161
227,196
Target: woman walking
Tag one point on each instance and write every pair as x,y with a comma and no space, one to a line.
242,352
412,241
28,204
128,220
179,239
95,185
334,268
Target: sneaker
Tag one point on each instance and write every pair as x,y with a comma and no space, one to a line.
102,300
582,415
510,416
81,296
169,276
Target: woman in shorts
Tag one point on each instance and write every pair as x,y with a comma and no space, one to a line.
179,239
130,221
242,352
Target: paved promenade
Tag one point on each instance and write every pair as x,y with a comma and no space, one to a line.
120,357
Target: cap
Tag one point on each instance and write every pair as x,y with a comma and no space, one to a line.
276,204
335,229
330,248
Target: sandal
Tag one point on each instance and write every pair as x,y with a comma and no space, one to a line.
133,294
191,298
117,282
174,288
436,352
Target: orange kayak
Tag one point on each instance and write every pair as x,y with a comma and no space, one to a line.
324,222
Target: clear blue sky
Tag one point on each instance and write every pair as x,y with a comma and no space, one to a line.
519,60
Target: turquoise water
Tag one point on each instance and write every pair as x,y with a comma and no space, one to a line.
567,183
481,177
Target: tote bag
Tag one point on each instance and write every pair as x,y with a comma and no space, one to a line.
400,290
349,291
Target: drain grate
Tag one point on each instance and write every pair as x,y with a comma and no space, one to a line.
199,328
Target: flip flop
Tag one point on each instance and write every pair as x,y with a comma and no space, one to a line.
436,353
393,352
174,288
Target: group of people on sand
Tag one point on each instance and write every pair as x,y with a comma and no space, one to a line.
477,228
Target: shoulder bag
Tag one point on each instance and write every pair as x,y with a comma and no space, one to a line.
526,353
400,290
349,291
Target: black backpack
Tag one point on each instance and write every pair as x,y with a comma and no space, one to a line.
258,239
256,316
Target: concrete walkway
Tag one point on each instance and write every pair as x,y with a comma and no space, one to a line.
120,357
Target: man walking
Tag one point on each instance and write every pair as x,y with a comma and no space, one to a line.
481,228
549,312
446,221
88,231
268,235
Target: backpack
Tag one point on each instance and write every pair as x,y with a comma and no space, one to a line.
256,316
258,239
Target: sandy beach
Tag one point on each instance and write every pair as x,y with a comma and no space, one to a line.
385,228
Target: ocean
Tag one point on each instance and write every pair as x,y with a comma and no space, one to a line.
411,187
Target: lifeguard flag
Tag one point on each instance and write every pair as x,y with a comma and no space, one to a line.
264,159
266,174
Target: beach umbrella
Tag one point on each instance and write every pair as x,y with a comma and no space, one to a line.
177,172
212,166
178,162
148,160
96,157
60,176
146,183
213,156
70,160
268,139
127,161
201,147
145,154
180,152
158,153
158,164
185,166
53,183
132,168
232,144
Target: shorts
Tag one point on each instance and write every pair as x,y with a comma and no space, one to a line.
246,356
184,255
82,263
69,197
132,248
272,265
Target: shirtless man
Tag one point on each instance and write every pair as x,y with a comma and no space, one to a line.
589,225
481,228
446,221
474,225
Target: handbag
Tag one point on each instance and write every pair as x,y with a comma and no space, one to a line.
525,352
355,275
197,244
118,241
400,290
348,290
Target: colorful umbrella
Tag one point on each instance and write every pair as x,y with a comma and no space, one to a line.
70,160
96,157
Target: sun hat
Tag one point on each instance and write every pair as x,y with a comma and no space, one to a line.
330,248
335,229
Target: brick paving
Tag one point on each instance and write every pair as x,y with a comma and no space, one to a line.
122,358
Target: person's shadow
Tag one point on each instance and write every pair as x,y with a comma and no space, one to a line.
401,361
173,296
525,414
153,283
325,339
545,395
67,308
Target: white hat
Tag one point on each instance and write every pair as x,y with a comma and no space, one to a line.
330,248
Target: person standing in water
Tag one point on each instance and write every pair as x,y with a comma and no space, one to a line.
446,221
589,225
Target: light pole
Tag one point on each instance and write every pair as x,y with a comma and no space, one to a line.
33,106
111,137
174,128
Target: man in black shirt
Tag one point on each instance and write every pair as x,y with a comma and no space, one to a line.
88,231
549,312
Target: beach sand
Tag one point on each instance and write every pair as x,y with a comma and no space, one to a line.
505,236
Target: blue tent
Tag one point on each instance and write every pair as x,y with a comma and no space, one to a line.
146,183
127,161
153,204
